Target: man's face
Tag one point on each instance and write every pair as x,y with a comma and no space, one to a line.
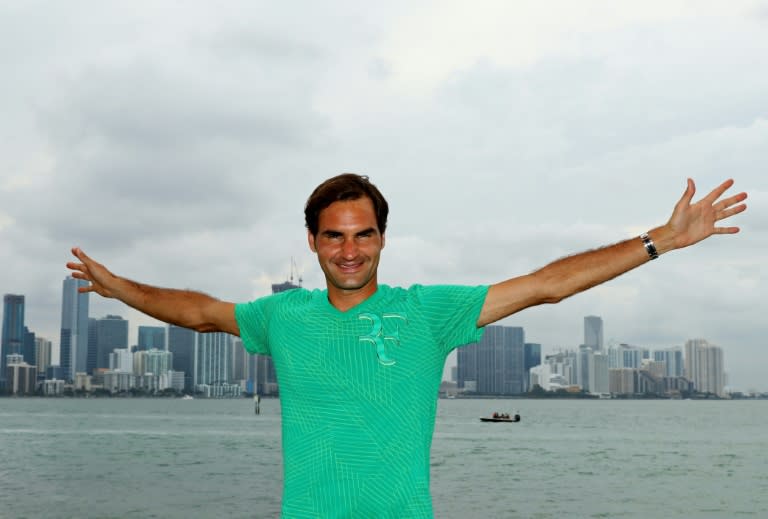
348,245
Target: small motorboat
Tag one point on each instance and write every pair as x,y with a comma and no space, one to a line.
501,417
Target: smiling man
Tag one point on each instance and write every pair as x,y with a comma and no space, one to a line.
360,363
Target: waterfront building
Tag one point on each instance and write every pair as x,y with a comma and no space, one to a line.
43,349
657,369
622,381
111,335
12,337
83,382
21,378
53,387
73,343
562,364
213,359
593,332
539,376
531,358
496,363
583,361
181,343
673,360
598,374
704,366
153,361
119,381
152,337
28,347
177,380
240,363
121,360
626,356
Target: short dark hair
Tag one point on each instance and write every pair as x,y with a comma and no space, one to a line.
347,186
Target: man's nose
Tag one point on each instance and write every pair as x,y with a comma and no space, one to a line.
349,249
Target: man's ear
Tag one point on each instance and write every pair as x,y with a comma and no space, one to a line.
311,241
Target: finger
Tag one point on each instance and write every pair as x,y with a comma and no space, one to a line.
76,266
690,190
725,230
730,212
81,275
79,254
718,191
726,203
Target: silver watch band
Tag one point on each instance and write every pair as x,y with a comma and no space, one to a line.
649,246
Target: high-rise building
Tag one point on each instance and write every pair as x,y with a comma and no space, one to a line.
498,361
583,365
151,337
704,366
531,358
181,343
73,344
43,348
598,376
673,359
111,334
593,332
213,359
90,363
626,356
239,361
121,359
28,348
12,338
21,377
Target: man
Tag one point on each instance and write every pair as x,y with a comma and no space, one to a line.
360,363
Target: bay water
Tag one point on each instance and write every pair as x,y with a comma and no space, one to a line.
173,458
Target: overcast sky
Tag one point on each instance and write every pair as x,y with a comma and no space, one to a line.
177,142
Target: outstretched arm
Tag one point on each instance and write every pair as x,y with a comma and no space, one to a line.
180,307
690,223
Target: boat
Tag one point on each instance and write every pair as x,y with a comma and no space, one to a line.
187,397
499,417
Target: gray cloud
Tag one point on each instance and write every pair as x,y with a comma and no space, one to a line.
179,150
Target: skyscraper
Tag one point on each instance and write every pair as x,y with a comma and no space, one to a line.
28,348
12,339
531,358
42,354
111,334
73,346
151,337
704,366
593,332
498,361
213,359
181,342
673,360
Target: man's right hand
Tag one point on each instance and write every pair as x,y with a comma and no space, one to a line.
185,308
97,274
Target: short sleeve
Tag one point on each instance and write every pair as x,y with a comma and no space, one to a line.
252,321
452,313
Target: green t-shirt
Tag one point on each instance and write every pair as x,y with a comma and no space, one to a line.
358,391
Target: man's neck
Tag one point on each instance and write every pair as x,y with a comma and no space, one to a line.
343,300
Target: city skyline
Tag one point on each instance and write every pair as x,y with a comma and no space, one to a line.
205,358
179,150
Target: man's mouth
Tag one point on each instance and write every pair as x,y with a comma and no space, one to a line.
349,267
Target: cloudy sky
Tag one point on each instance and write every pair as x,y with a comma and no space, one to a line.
177,142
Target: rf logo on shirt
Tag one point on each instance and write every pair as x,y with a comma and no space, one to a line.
383,328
